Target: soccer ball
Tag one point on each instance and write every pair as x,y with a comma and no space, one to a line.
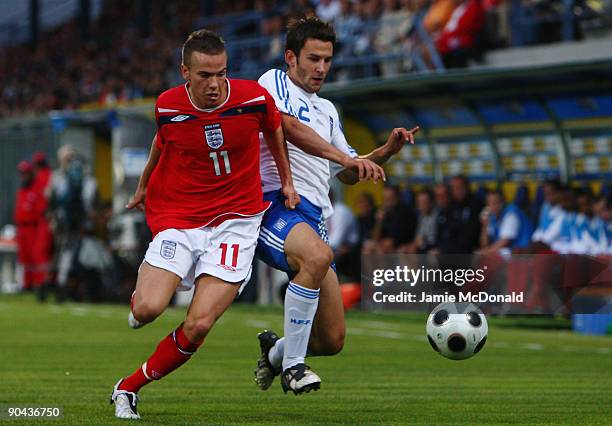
457,330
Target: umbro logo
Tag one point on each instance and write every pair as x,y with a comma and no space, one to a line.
179,118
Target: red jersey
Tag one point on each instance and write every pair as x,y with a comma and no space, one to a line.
42,179
209,166
30,206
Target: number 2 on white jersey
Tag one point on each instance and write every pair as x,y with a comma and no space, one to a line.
226,162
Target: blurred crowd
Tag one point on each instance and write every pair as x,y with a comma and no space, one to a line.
63,232
450,219
129,53
115,61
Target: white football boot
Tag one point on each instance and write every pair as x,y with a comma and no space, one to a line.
299,379
125,403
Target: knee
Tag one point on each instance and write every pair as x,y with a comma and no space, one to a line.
197,328
331,345
318,261
146,312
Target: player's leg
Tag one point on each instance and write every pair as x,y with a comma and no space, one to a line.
328,330
154,290
288,241
211,299
307,255
167,261
310,257
327,334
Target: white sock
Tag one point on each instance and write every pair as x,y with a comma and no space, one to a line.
275,355
300,309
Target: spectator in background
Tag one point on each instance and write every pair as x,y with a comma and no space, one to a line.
551,238
30,207
347,24
548,219
301,9
579,238
427,216
503,227
366,216
272,27
459,226
437,16
368,12
42,172
328,10
443,206
395,224
394,24
43,245
73,198
601,226
459,40
343,234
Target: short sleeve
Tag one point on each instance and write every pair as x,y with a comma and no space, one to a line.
339,141
510,227
275,82
159,142
272,119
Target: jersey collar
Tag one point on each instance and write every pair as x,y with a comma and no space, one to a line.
229,91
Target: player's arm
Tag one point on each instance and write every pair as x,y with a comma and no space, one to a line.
278,148
141,190
396,141
311,143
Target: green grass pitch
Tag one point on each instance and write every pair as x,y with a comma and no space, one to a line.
71,355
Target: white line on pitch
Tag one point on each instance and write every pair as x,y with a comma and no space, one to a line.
533,346
79,311
257,324
376,333
379,325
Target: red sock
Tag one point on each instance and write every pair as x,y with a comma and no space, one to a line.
172,352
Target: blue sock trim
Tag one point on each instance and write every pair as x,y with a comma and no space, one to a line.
302,291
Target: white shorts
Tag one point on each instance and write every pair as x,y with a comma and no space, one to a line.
225,251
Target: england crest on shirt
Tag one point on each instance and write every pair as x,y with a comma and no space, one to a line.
214,135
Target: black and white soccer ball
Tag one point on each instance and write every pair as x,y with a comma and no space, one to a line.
457,330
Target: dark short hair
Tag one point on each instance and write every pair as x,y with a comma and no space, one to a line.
302,29
204,41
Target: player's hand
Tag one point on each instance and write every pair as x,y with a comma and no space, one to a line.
366,169
292,198
399,137
138,200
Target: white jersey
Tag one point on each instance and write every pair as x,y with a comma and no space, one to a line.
310,174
